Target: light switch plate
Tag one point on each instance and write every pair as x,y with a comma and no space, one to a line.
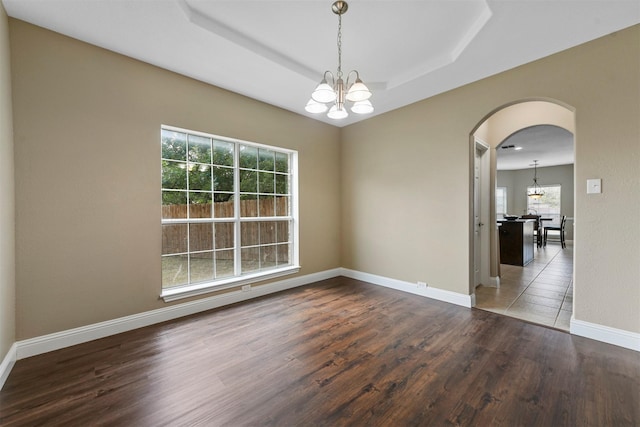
594,186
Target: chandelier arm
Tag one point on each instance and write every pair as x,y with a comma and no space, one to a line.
349,75
333,79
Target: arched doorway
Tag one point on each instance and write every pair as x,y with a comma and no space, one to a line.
491,131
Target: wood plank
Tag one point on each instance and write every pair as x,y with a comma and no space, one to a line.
336,353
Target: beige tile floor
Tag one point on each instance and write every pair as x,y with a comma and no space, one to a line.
541,292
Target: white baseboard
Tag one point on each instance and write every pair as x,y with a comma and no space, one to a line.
429,292
7,364
43,344
619,337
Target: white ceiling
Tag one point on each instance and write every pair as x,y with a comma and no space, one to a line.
549,145
276,51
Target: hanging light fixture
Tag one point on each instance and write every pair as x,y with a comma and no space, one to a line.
536,191
333,96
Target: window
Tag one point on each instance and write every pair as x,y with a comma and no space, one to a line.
548,206
501,202
229,212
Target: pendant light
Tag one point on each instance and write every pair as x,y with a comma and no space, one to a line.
332,92
536,191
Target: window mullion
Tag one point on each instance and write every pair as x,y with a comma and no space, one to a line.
188,212
237,261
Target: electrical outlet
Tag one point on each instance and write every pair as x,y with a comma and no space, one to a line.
246,288
422,285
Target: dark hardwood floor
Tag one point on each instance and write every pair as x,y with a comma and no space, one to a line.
336,353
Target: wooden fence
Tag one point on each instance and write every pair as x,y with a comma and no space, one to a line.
220,235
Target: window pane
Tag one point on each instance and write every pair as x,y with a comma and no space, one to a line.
223,206
222,179
199,149
174,175
283,254
174,238
250,259
248,206
282,184
174,270
224,264
224,235
174,145
267,181
268,257
248,157
267,232
201,266
282,206
200,237
266,206
266,160
223,153
282,231
174,204
501,201
199,177
249,233
548,205
282,162
248,181
199,205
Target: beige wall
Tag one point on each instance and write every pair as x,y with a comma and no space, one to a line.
87,131
87,177
7,204
406,177
517,182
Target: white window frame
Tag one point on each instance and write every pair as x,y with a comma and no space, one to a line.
504,192
189,290
534,210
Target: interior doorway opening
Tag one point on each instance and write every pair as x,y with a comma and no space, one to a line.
491,132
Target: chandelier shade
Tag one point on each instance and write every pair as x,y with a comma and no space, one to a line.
362,107
358,92
315,107
334,90
337,112
323,92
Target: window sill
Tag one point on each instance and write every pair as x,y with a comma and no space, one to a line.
173,294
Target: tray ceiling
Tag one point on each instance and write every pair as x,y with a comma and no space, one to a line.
276,51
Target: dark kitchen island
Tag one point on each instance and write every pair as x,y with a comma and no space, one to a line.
516,241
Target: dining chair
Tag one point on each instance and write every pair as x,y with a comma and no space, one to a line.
559,229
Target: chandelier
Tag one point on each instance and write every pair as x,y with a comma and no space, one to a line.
338,92
535,192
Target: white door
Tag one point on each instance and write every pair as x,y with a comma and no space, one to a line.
477,224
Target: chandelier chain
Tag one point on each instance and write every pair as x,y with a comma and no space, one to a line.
339,45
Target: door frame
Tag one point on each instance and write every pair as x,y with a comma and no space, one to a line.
492,129
482,194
